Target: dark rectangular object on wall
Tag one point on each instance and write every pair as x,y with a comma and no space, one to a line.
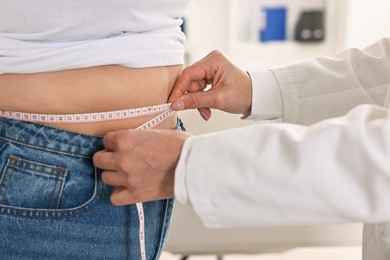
310,27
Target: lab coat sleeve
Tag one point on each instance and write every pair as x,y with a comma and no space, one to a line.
283,174
326,87
334,171
267,100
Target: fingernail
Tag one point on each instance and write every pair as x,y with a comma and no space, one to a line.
178,105
204,115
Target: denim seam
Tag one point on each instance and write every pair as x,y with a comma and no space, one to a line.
59,130
52,167
70,214
49,213
127,223
163,227
53,193
32,170
44,148
62,188
55,214
9,175
58,177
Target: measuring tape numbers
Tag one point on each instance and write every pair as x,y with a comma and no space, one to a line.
163,109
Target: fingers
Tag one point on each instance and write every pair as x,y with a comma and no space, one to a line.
104,160
110,140
197,76
113,178
121,196
139,174
188,92
186,83
203,99
205,113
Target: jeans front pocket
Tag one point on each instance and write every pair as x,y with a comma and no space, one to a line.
28,184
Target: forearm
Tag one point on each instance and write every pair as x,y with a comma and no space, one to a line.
332,172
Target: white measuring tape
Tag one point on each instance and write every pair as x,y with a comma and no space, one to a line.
141,218
164,111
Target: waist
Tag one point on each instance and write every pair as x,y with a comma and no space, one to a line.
90,90
53,139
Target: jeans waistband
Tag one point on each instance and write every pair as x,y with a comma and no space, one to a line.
49,138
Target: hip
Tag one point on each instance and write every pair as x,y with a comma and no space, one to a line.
47,172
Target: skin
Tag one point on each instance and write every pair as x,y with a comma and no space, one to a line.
141,164
231,87
88,90
95,89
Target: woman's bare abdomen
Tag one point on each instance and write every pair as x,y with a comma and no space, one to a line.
90,90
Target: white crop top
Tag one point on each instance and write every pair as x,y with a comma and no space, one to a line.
50,35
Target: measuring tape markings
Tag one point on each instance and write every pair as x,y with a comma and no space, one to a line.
164,110
87,117
141,216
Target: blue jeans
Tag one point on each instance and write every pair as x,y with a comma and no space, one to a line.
53,204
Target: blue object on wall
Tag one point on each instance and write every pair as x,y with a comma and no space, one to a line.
275,24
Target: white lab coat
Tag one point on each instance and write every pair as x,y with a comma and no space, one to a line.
333,171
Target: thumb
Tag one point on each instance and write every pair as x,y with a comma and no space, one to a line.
196,100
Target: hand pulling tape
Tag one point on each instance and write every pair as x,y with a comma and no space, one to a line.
164,112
